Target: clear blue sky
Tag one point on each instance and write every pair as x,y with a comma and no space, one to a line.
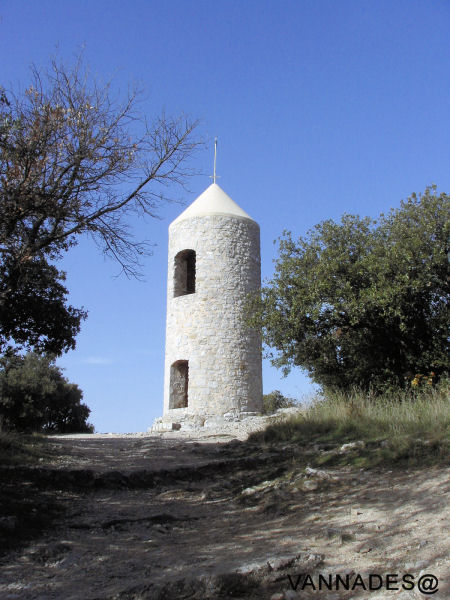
321,107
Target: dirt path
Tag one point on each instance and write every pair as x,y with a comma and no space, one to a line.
148,517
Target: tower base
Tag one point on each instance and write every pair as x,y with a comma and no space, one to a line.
188,422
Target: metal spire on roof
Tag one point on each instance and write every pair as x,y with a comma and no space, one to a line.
214,176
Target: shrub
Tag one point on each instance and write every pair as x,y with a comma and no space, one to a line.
363,303
275,400
36,397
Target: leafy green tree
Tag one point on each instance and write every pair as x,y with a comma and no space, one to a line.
275,400
363,303
35,396
73,162
34,311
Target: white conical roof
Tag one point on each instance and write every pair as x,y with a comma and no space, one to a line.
213,201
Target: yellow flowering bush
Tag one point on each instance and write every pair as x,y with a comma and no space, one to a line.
421,379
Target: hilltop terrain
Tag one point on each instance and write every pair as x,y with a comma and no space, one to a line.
148,516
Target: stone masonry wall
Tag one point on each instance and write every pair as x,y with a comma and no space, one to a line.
207,328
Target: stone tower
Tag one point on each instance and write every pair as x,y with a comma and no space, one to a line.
213,360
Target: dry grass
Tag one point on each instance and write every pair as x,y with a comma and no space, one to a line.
411,427
16,448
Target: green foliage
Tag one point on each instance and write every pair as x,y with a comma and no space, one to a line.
363,303
275,400
34,396
33,309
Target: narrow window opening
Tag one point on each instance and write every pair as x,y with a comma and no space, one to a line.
184,273
179,380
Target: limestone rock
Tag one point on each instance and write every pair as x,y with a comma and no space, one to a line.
310,485
319,473
352,446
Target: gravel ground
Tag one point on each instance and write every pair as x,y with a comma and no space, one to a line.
164,516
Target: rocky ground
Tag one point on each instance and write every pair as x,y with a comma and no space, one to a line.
166,517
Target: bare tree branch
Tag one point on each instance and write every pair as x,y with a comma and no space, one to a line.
72,161
75,161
